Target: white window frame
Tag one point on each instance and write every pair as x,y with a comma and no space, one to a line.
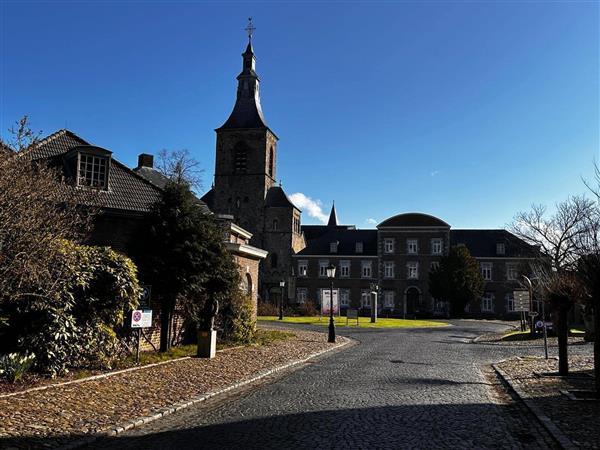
412,246
323,264
365,298
345,268
487,297
366,269
412,270
512,271
434,265
487,270
301,295
388,245
510,302
303,268
388,299
437,246
345,297
388,269
333,247
359,247
97,169
500,248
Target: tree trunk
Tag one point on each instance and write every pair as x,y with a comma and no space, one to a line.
562,331
597,345
166,316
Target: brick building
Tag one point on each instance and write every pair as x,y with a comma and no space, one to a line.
245,183
124,197
397,257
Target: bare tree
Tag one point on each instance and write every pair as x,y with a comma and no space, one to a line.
556,235
37,211
179,167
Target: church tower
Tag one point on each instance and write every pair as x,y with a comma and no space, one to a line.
244,185
246,156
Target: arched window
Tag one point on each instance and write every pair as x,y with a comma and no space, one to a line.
275,224
271,162
241,158
249,287
273,260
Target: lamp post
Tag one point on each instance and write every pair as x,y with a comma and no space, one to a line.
374,291
531,312
331,276
281,285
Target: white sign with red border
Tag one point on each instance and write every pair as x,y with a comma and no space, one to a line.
141,318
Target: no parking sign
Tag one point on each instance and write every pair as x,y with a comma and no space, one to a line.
141,318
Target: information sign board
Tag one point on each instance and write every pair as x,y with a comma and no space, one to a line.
141,318
325,301
521,300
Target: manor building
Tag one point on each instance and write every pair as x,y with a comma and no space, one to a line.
396,258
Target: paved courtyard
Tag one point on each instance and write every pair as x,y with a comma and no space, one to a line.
398,388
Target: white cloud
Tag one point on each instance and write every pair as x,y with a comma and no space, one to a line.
434,173
371,221
310,206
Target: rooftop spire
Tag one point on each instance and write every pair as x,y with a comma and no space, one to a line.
332,217
247,112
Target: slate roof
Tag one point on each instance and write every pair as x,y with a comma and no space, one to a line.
246,114
276,197
209,198
346,238
413,220
482,243
127,190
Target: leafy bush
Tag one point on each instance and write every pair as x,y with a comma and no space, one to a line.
307,308
13,366
267,309
237,319
81,325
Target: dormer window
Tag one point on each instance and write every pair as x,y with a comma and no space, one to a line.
93,171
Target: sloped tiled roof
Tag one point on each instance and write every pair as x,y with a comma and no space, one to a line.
276,197
127,190
482,243
346,239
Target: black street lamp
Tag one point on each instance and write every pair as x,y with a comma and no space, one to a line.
281,285
331,276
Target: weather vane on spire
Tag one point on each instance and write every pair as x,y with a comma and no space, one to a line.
250,29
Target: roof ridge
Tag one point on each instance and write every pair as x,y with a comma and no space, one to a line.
133,172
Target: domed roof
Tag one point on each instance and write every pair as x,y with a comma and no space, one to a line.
413,220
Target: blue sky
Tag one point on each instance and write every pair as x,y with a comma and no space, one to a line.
466,110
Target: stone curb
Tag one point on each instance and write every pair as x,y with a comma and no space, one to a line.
546,422
106,375
114,431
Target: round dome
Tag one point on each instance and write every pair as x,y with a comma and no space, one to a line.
413,220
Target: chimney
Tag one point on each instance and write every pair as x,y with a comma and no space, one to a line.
145,160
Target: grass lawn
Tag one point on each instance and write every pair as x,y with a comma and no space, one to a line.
364,322
526,335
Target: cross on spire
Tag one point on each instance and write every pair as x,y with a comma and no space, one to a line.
250,29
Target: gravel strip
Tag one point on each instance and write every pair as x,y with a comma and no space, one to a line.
97,405
576,420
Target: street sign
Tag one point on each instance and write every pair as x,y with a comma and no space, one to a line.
141,318
325,302
521,301
145,295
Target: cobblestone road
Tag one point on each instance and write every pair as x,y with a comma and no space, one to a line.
424,388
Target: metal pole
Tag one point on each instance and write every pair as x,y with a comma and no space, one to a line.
137,350
545,333
373,307
281,305
331,323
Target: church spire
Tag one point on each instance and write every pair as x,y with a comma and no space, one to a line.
247,112
332,217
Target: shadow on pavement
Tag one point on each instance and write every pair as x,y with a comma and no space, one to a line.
414,426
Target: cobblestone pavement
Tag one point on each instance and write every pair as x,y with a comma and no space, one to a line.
579,420
420,388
